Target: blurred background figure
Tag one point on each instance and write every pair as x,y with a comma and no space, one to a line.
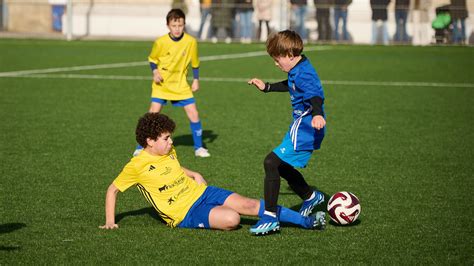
442,24
298,16
205,6
401,15
180,4
340,13
458,15
264,15
244,11
222,12
322,18
379,13
421,18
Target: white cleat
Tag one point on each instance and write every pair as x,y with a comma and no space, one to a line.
202,152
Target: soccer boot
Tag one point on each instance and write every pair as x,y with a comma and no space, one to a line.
202,152
317,221
308,205
266,225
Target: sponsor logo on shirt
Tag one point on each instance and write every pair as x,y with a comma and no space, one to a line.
166,171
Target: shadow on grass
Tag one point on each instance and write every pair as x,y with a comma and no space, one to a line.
208,136
144,211
355,223
8,228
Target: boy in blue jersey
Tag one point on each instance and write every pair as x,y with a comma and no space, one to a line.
180,196
169,60
305,134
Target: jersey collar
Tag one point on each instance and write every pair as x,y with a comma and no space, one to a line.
176,39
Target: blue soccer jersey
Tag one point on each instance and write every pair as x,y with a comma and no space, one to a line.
304,84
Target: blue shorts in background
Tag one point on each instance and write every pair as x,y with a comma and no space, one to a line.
179,103
286,152
198,215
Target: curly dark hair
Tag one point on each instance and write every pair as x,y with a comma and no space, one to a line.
152,125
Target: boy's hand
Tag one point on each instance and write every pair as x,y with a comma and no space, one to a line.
199,179
257,83
109,226
318,122
195,85
157,78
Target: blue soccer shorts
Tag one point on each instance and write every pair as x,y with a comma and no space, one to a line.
180,103
198,215
286,152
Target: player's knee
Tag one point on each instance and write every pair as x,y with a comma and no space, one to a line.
232,221
271,161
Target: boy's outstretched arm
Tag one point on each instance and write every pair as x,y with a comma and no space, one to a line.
257,83
110,199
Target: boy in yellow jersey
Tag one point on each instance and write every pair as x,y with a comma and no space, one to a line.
181,196
169,59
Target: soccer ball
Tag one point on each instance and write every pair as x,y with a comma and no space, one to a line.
343,208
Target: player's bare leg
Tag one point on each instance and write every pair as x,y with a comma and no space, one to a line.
155,107
243,205
223,218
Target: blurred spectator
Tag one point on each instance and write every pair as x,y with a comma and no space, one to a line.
222,12
244,10
58,12
421,19
340,12
401,15
205,12
298,10
180,4
379,12
459,15
322,17
264,15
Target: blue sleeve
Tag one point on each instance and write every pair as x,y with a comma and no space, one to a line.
153,66
196,73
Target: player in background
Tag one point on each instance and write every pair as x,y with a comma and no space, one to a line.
169,60
305,133
181,196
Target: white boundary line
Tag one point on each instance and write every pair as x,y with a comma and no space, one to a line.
141,63
243,80
46,73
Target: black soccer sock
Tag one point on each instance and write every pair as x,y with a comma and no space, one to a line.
271,182
295,180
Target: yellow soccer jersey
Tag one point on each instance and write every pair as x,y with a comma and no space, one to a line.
172,59
163,183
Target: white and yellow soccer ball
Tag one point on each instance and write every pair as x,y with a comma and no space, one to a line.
344,208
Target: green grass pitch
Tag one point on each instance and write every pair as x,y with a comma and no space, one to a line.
400,137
